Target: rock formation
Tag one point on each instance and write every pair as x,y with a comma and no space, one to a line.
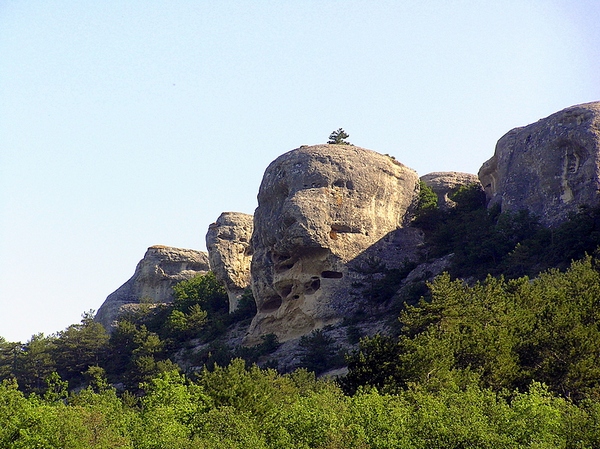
228,244
160,269
320,209
549,167
447,182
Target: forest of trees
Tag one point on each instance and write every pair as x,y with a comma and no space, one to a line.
503,351
248,407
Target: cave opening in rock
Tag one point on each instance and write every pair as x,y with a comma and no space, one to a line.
285,291
271,305
312,286
283,267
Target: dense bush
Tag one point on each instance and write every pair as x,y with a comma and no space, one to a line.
485,241
505,333
140,347
319,352
240,407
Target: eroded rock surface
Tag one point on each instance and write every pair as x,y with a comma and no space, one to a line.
549,167
160,269
320,210
447,182
228,244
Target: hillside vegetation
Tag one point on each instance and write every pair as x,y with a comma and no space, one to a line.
500,352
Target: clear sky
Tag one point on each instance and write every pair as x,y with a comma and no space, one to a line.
125,124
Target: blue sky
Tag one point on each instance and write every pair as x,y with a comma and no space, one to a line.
129,124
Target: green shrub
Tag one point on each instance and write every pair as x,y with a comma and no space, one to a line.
319,352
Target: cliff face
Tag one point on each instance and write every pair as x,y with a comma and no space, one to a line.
445,183
326,212
549,167
229,254
160,269
319,208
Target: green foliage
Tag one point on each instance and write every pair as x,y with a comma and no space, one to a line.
353,334
469,197
186,325
78,347
468,233
339,137
203,290
144,342
136,354
246,308
35,362
485,241
57,390
506,333
428,200
200,310
240,407
87,420
252,354
9,353
226,427
500,363
256,391
373,269
319,352
376,364
69,353
381,283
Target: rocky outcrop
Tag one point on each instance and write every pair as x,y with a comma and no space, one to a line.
228,244
549,167
160,269
447,182
320,210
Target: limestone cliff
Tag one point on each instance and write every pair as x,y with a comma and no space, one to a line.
160,269
320,208
228,244
549,167
447,182
328,214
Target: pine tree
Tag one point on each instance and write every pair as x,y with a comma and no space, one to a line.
338,137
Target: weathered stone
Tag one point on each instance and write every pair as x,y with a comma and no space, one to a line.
549,167
161,268
228,244
320,210
447,182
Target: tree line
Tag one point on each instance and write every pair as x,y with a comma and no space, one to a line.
241,407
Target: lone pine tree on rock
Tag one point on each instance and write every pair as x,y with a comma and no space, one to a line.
338,137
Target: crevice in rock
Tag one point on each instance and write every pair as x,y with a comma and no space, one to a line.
281,262
344,184
285,290
332,274
312,286
280,268
271,305
337,227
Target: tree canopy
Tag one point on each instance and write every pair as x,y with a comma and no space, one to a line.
339,137
506,334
